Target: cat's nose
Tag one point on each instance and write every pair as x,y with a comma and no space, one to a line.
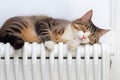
83,37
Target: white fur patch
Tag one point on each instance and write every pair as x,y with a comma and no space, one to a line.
80,34
49,45
68,34
73,45
85,40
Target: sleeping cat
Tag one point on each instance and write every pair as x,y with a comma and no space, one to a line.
18,30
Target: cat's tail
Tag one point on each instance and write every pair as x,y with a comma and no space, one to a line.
13,39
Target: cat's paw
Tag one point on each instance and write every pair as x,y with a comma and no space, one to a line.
73,45
18,44
49,45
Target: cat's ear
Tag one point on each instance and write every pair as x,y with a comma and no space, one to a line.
103,31
87,16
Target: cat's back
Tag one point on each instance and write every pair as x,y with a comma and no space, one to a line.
24,26
26,20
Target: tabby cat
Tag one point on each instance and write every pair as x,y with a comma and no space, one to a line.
18,30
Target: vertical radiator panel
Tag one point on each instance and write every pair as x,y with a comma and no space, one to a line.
34,57
60,58
87,61
7,59
52,65
78,63
96,50
2,70
105,62
16,67
43,62
34,62
25,61
69,64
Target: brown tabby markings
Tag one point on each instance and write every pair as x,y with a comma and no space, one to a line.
29,35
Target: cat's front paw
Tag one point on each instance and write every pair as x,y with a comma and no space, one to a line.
49,45
72,45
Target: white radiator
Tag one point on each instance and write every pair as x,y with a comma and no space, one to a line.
33,62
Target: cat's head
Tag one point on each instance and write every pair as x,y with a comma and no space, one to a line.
85,31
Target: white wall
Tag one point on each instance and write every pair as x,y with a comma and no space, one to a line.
68,9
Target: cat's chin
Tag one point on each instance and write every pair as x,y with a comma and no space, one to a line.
84,41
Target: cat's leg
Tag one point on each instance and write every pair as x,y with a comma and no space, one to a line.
43,30
73,44
13,39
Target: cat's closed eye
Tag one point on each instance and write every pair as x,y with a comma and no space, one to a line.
76,26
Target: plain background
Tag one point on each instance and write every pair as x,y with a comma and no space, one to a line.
67,9
104,16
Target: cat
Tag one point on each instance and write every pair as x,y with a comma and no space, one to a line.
21,29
